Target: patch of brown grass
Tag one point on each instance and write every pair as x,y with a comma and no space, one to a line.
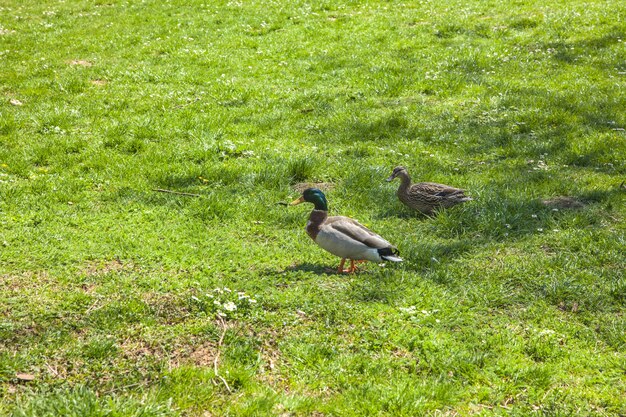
271,357
170,307
25,280
105,267
176,354
80,62
563,202
203,355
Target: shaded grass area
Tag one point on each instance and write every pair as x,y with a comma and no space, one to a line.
511,304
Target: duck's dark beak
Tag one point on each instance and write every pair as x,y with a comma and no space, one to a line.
297,201
391,178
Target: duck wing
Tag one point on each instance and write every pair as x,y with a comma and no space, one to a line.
352,232
435,189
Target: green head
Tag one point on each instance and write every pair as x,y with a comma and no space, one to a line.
315,196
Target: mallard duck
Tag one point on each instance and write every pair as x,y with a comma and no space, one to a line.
426,197
343,236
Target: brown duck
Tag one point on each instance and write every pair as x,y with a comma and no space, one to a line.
426,197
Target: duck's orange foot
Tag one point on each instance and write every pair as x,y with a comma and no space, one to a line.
350,270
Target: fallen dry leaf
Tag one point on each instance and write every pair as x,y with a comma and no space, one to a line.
25,377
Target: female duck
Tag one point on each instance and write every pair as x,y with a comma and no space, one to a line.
343,236
426,197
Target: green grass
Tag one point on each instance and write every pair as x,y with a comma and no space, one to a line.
504,306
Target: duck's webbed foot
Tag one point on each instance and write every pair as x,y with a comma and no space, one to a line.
352,268
340,270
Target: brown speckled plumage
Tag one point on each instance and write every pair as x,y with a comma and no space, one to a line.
426,197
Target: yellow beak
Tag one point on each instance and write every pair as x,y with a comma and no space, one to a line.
297,201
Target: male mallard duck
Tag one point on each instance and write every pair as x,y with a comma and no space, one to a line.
426,196
343,236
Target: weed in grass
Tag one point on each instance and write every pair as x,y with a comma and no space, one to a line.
300,169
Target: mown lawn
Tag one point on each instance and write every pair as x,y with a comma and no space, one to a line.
512,304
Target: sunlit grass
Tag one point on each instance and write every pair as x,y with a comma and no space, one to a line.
119,300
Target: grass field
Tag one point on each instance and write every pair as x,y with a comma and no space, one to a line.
513,304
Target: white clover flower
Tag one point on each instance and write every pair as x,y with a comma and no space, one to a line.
217,303
230,306
252,300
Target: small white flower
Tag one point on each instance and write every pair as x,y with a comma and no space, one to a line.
534,216
252,300
230,306
539,229
217,303
193,297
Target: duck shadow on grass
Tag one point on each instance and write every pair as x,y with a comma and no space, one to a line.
317,269
320,269
303,267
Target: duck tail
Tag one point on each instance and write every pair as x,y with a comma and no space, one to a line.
389,254
460,197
